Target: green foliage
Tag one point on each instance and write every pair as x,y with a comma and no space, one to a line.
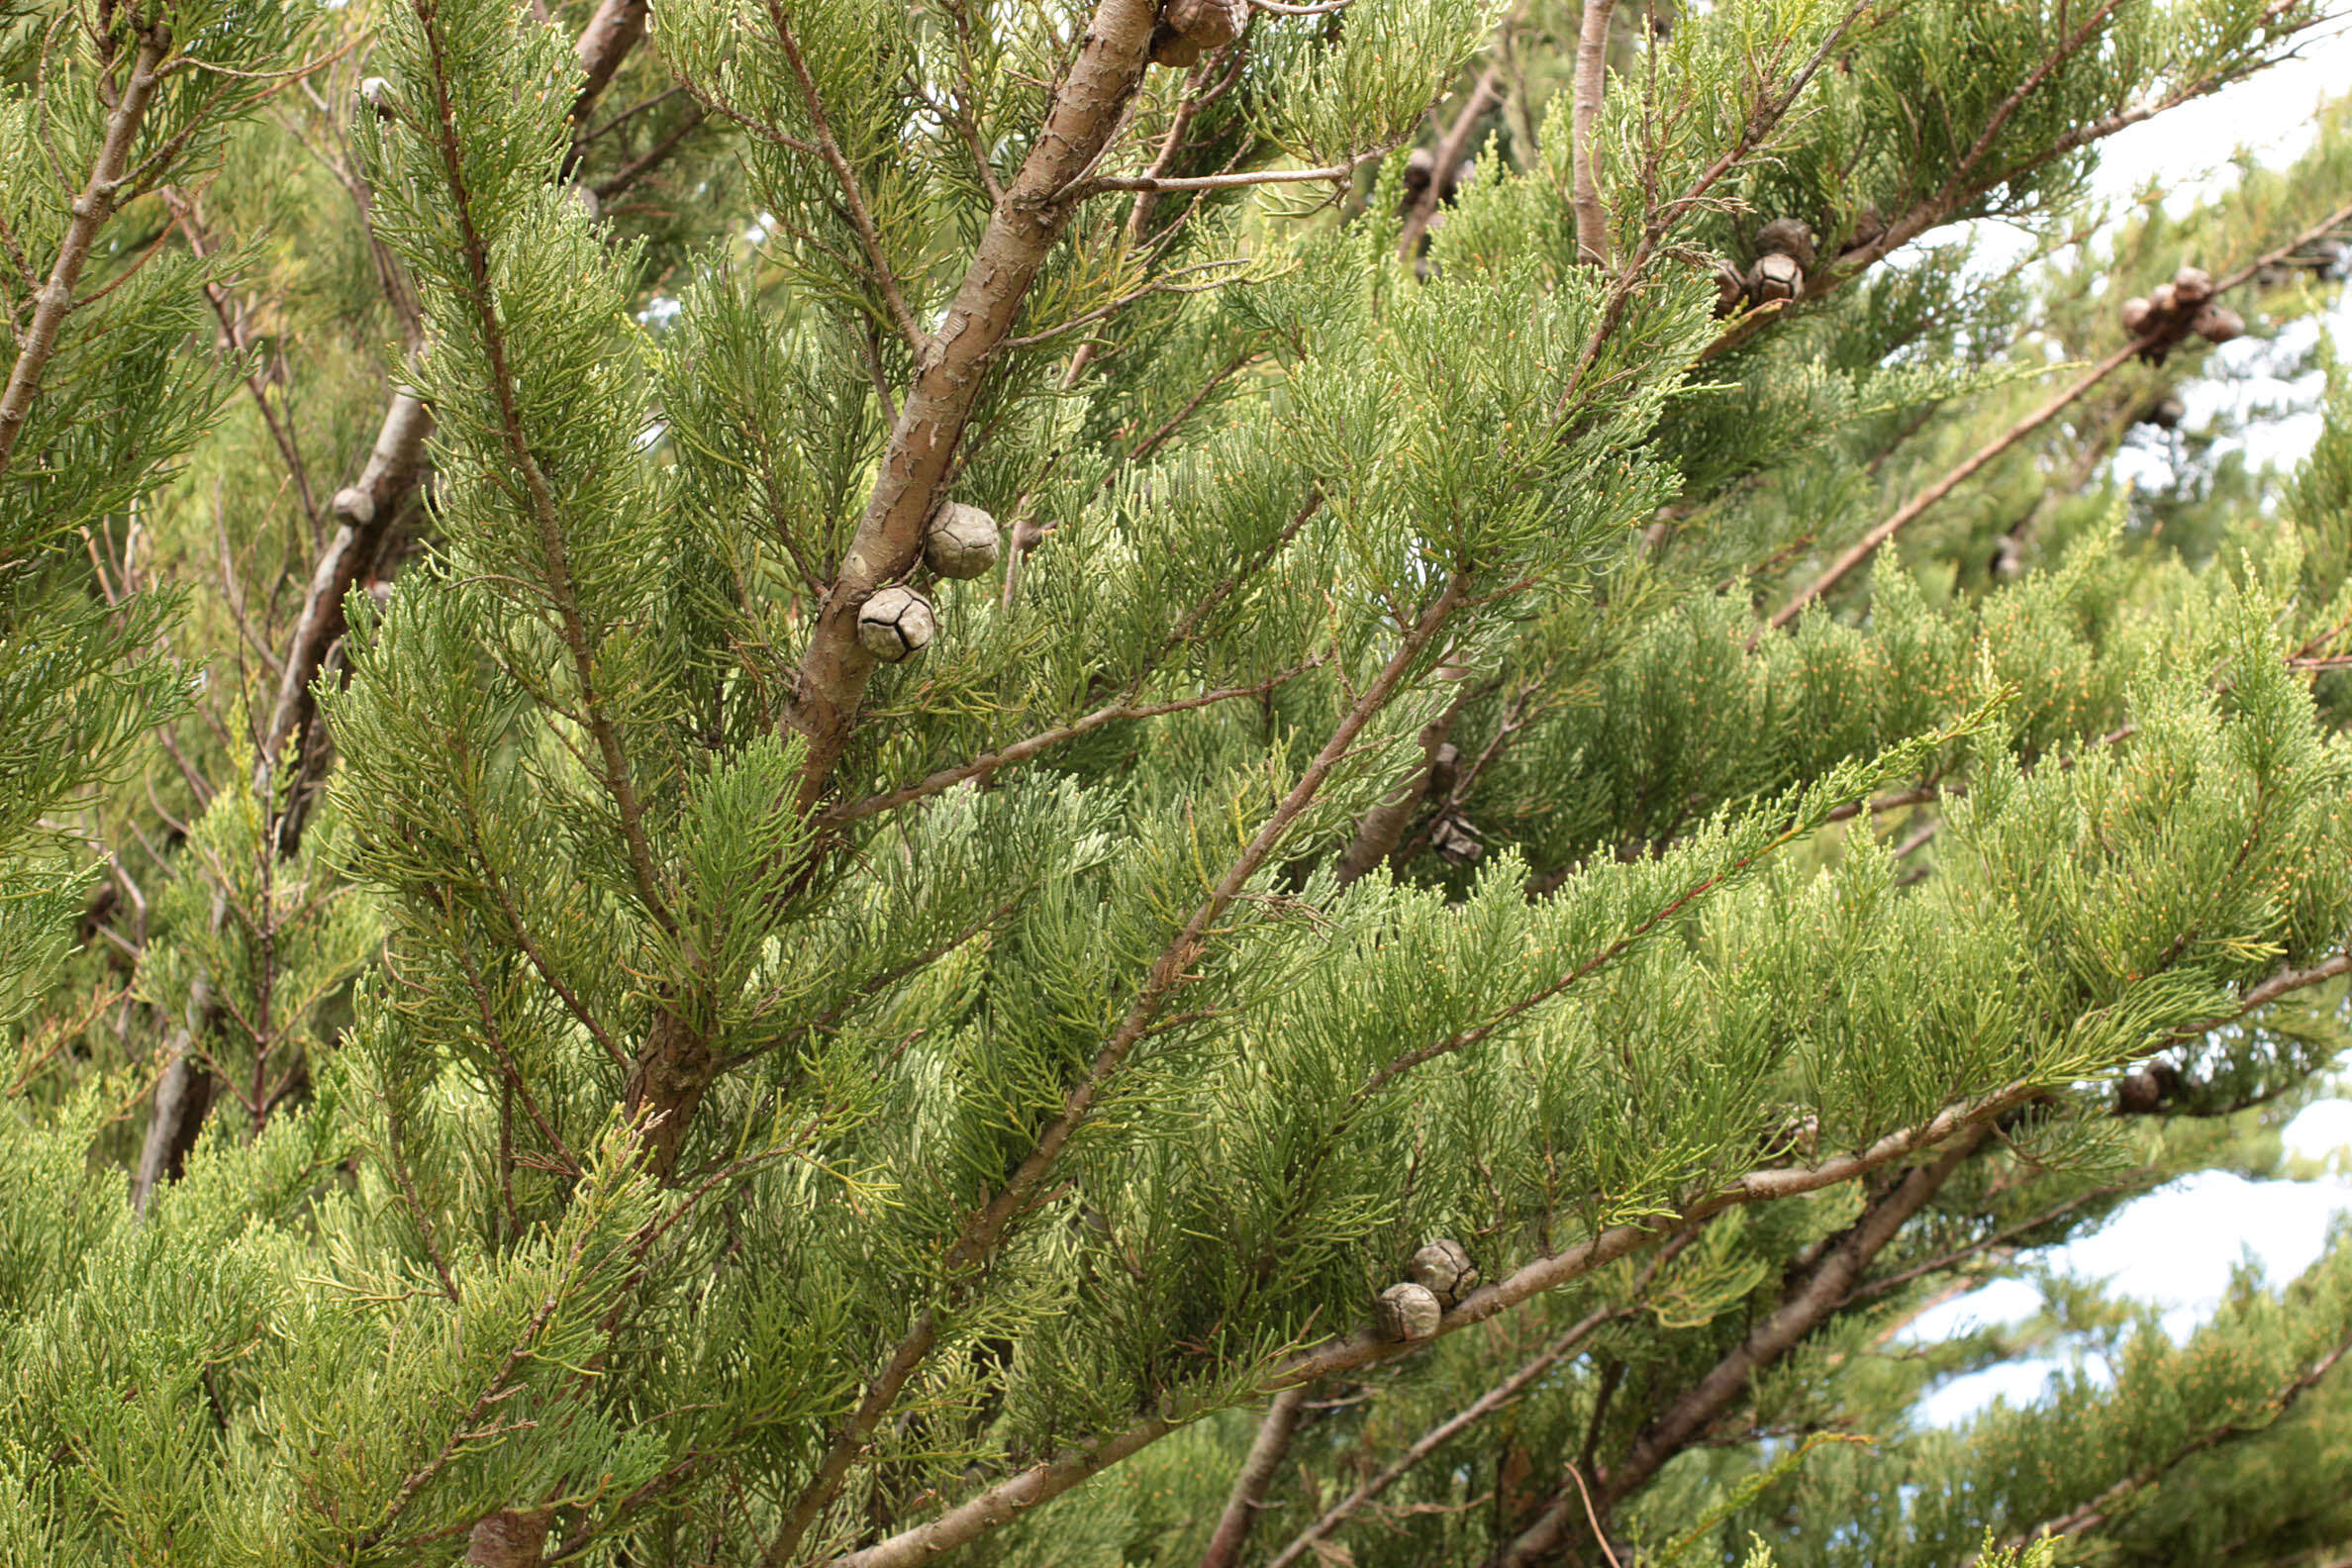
660,1074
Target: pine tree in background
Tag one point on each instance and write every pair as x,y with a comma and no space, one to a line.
1226,783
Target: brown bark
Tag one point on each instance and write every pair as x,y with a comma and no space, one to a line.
1379,829
514,1539
1021,230
604,44
1592,77
363,510
183,1095
1249,1496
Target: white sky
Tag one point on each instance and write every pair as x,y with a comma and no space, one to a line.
2177,1247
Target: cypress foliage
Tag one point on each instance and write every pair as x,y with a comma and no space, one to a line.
1562,669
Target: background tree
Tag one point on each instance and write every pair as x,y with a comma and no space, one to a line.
1006,698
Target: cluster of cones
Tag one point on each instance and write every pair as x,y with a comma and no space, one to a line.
2174,311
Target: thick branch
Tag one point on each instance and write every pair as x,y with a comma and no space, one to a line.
1257,1474
604,44
365,508
1021,229
1379,829
1592,74
514,1539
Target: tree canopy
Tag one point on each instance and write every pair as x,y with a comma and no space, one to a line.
830,782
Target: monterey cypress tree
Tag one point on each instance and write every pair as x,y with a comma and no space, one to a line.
834,781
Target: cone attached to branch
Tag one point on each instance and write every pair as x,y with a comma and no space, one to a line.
1456,840
960,541
1776,278
1410,1312
1786,237
1189,29
1444,1269
896,622
2173,310
2218,323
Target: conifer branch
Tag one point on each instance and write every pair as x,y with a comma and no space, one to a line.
1998,1241
621,179
2100,1509
1175,421
395,463
91,211
852,195
498,1387
1086,112
1866,546
1825,1288
1957,192
1042,1482
1161,184
1128,707
445,140
1365,1348
190,222
365,509
989,762
1659,222
984,1230
1493,1399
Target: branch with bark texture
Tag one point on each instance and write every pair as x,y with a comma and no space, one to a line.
1249,1495
1049,1479
1592,75
1086,112
1493,1399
